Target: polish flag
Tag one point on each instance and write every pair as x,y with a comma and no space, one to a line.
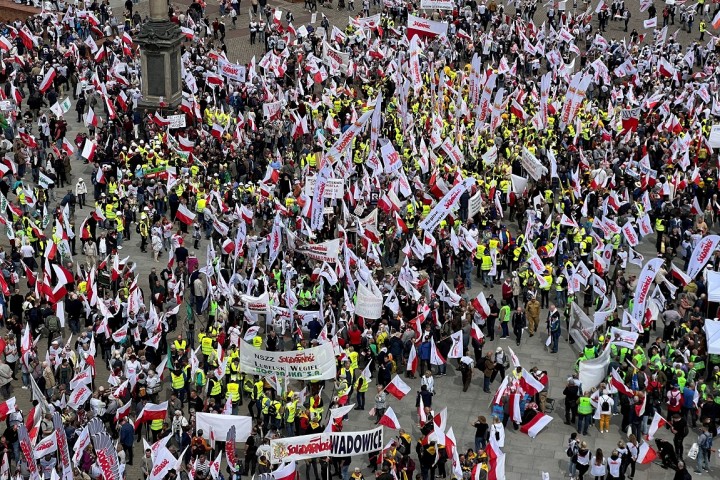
646,454
217,131
412,363
184,215
481,305
400,223
530,384
390,419
67,147
514,408
122,100
397,388
90,118
695,208
159,120
619,384
657,422
122,412
47,80
497,398
679,274
151,412
666,69
6,408
5,44
436,358
496,460
518,111
286,472
389,202
28,140
185,144
535,426
15,94
89,150
476,333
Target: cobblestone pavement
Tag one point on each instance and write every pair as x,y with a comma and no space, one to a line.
526,458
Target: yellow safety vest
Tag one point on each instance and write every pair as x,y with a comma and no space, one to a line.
178,381
206,346
233,391
180,346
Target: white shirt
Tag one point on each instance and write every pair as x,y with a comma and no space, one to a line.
429,381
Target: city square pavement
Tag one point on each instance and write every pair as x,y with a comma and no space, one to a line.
526,458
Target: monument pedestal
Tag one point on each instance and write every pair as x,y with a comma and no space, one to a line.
159,42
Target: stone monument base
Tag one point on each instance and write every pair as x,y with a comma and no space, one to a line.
159,42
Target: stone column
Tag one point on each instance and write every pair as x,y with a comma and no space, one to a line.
159,41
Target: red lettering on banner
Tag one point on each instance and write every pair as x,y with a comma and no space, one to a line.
299,359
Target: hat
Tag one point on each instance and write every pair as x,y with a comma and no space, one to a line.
498,350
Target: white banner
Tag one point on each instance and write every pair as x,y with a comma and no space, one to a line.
79,397
701,254
232,70
369,302
332,444
345,140
475,204
217,425
425,28
437,4
532,164
334,58
642,291
445,205
176,121
310,364
592,372
623,338
334,187
324,252
256,304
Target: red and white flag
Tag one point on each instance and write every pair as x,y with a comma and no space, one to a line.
89,150
122,412
47,80
184,215
436,358
657,422
413,360
6,408
619,384
151,412
530,384
397,388
679,274
646,454
390,419
481,305
535,426
285,472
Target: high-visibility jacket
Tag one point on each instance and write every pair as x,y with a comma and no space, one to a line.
486,263
178,381
584,406
290,411
180,346
216,387
206,345
233,391
361,384
589,352
157,424
353,356
659,225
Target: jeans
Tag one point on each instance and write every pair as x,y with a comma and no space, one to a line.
583,423
703,460
480,443
555,338
504,327
486,384
360,400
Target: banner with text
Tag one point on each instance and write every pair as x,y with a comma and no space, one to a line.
310,364
333,444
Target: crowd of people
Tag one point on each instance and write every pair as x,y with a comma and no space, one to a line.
348,188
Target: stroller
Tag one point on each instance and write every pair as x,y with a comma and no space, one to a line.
666,452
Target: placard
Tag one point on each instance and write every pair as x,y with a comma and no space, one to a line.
323,252
219,424
475,204
309,364
332,444
334,187
437,4
369,303
714,138
176,121
232,71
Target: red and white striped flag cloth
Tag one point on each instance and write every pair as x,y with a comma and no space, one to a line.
496,460
412,362
397,388
90,118
436,358
530,384
89,150
535,426
390,419
122,412
285,472
657,422
184,215
514,407
67,147
5,44
6,408
678,274
619,384
151,412
481,305
497,398
47,80
646,454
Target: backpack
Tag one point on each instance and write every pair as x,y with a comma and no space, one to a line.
272,410
674,400
707,442
605,406
53,323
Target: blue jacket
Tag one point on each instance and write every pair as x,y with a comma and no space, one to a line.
424,351
688,397
127,435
